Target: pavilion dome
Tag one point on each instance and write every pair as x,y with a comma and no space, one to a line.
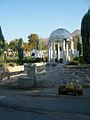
60,34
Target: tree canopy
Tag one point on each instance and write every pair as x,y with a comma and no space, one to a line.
13,44
26,46
35,42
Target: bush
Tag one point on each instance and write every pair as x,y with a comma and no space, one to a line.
46,59
61,60
1,65
39,59
12,64
30,60
76,59
86,85
26,60
11,59
81,59
73,63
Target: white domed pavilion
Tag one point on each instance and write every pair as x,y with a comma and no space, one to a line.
58,49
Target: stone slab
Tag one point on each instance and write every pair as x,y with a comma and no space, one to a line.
25,82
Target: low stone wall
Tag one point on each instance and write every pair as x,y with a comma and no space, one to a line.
7,71
75,73
15,68
34,68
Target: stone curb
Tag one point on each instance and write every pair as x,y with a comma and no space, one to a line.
38,94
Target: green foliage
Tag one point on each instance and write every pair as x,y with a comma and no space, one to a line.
6,46
81,59
12,64
11,59
85,32
33,60
35,42
73,63
26,46
46,59
45,47
1,65
2,43
13,44
20,51
79,46
40,43
39,60
76,59
86,85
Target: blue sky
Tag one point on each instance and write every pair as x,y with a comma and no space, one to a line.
20,18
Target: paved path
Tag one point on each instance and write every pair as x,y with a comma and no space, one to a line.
12,114
21,100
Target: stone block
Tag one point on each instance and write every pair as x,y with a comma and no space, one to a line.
30,68
25,82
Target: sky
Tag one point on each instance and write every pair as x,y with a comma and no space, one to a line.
20,18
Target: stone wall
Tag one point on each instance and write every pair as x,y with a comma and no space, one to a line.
72,73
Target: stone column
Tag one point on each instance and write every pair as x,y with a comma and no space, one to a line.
66,51
49,53
63,50
53,51
63,45
72,47
58,51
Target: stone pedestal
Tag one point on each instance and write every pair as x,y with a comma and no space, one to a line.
29,80
30,68
25,82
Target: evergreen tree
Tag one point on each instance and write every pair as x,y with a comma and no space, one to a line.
2,43
79,46
85,32
20,51
13,45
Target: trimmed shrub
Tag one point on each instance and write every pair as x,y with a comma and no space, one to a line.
73,63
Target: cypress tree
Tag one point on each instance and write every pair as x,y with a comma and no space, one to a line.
85,33
20,51
79,46
2,43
